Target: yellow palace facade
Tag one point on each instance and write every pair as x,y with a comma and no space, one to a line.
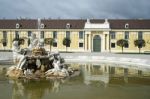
90,35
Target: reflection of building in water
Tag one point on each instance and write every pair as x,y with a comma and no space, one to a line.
96,73
26,89
129,75
114,74
2,72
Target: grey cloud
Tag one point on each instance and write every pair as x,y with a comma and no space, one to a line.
75,9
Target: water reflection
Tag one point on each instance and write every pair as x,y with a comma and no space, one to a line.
31,89
95,73
107,74
93,79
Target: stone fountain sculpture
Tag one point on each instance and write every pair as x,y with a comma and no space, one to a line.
34,62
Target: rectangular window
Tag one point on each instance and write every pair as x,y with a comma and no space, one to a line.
81,34
140,35
55,44
29,33
80,44
4,38
16,35
126,36
126,45
4,35
67,34
112,35
113,45
54,34
42,34
68,44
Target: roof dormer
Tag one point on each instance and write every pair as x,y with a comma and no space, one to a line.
17,25
126,26
68,25
42,26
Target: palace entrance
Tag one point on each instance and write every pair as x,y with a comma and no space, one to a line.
97,43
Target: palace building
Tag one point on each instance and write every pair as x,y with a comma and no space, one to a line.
91,35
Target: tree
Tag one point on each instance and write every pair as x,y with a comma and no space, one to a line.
122,43
148,42
139,43
66,42
4,42
29,41
49,41
21,41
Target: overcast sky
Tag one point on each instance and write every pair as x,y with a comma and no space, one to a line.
75,9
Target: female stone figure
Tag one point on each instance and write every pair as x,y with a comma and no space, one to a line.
17,54
33,42
17,51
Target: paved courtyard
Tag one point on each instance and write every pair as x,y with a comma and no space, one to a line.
140,56
9,55
141,59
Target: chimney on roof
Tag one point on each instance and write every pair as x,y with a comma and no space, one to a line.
17,18
140,18
20,18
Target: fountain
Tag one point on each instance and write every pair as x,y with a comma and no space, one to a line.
35,62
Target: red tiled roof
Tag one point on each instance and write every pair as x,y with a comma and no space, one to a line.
61,24
75,23
24,24
120,23
133,24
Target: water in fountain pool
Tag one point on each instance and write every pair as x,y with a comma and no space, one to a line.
96,81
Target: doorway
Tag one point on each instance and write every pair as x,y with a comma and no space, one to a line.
97,43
